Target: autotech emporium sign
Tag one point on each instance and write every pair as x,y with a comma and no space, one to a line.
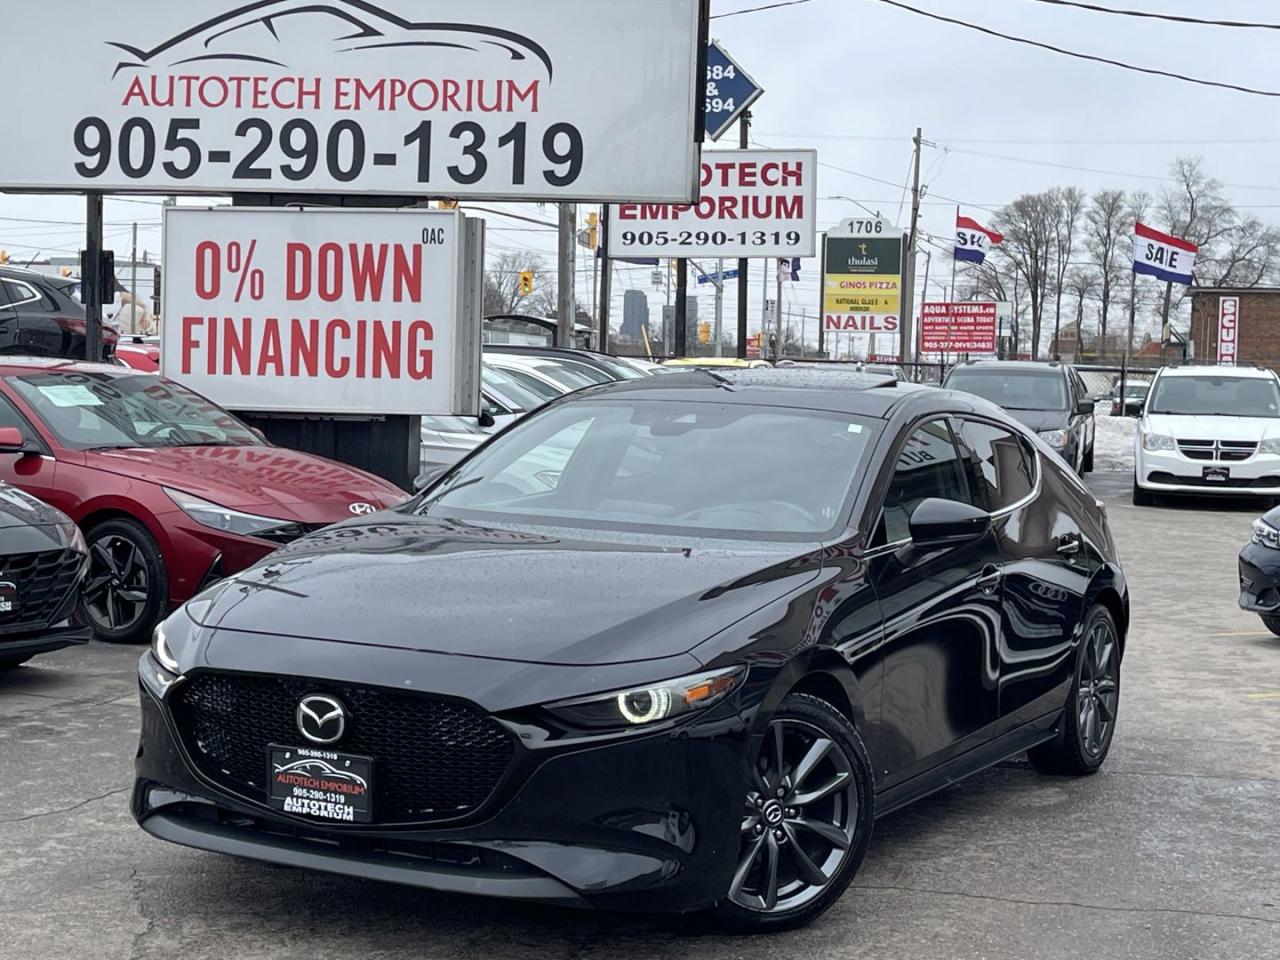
752,203
281,310
488,98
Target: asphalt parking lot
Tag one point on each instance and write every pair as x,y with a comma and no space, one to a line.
1169,853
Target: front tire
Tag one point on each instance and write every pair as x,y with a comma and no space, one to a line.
807,819
1087,466
1271,623
1142,498
1089,721
127,587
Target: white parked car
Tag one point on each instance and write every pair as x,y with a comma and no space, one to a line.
1209,430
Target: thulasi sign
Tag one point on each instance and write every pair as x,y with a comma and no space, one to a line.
352,96
296,311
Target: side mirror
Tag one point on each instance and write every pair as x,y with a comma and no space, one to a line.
1085,408
258,433
937,522
12,441
486,419
428,477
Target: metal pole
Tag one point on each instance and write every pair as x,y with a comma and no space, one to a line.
778,313
606,280
719,305
1128,347
954,264
91,272
1168,303
682,305
744,126
764,312
909,274
566,308
924,294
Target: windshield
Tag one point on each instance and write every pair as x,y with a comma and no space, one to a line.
1013,389
1216,396
570,377
546,391
510,389
718,469
96,411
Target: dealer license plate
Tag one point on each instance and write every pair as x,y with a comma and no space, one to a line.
320,784
1217,474
8,597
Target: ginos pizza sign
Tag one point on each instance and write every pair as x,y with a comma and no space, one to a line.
348,311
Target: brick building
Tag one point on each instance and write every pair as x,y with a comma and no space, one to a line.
1258,329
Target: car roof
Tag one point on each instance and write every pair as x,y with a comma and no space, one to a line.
836,391
16,366
1053,365
1251,373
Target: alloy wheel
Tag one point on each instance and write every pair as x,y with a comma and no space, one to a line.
116,591
1098,695
799,822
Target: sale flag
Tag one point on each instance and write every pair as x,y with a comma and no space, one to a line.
1163,256
973,240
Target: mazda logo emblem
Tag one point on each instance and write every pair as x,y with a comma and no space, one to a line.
362,509
321,719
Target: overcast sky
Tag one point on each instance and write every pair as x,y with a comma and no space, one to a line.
854,78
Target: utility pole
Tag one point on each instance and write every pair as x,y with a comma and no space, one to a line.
906,349
719,305
566,306
133,283
778,312
606,280
682,308
764,312
744,141
822,299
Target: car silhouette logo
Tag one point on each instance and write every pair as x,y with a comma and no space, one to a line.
321,719
362,509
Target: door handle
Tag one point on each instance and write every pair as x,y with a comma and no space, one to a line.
990,579
1068,546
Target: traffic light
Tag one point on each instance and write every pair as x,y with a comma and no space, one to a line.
4,256
593,230
704,333
447,204
526,283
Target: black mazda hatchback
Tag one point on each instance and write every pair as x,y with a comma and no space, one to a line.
667,644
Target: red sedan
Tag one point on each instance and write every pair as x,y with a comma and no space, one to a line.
171,491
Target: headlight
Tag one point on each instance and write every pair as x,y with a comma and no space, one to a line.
1158,441
648,705
1265,534
75,537
160,650
1270,445
222,518
1055,438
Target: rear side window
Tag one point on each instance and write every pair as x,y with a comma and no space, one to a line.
928,465
21,294
999,467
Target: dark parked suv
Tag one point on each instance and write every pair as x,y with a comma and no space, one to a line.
1050,398
41,317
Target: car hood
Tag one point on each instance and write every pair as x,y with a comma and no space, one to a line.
1212,428
1041,419
19,509
269,480
534,596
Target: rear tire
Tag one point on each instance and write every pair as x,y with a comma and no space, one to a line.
1087,466
1271,623
127,588
799,851
1089,720
1142,498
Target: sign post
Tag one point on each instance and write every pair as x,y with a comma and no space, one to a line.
862,278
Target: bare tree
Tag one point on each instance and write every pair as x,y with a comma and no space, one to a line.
997,279
1070,204
1081,282
1107,230
502,286
1028,225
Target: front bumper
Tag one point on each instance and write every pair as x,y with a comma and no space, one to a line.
1259,579
47,641
1171,472
643,823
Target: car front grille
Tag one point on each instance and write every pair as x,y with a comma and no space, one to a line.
1223,451
434,758
44,584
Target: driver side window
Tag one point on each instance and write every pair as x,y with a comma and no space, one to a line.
928,466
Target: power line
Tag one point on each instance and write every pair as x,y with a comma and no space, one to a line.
1092,58
768,6
1152,15
1036,141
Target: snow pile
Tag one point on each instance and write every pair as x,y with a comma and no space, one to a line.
1113,443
